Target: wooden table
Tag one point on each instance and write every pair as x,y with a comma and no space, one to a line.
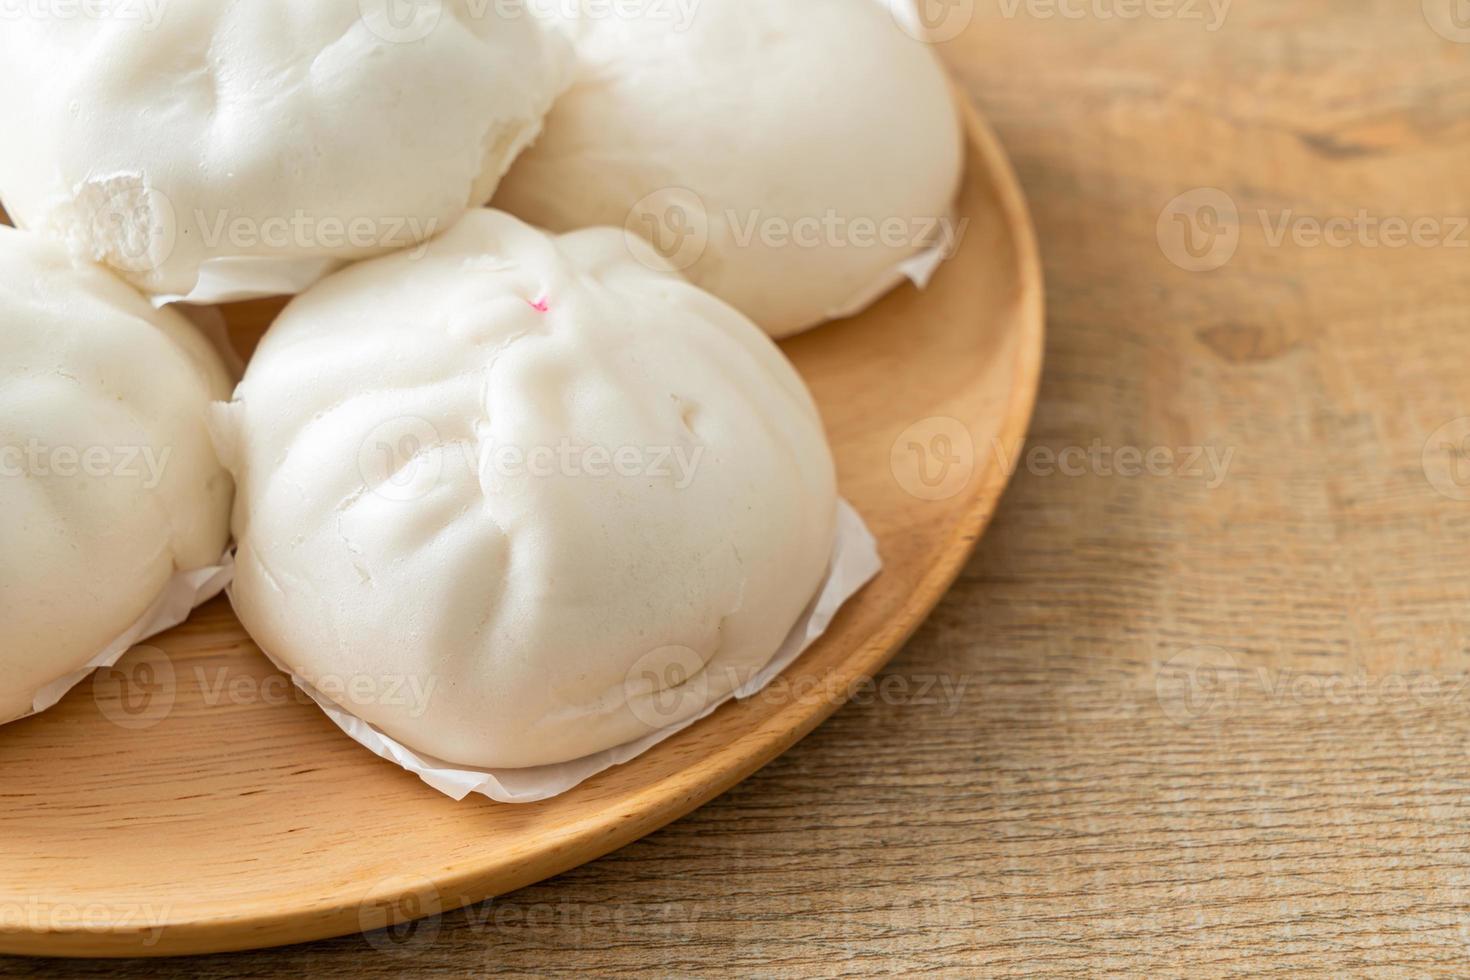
1212,715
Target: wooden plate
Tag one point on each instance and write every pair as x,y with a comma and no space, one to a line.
187,802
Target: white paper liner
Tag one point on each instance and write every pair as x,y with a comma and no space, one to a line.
855,563
231,279
906,13
184,593
918,269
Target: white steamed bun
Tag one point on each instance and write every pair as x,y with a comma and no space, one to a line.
494,498
108,482
264,140
788,155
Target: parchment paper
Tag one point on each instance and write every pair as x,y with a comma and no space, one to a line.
918,269
855,562
232,279
184,593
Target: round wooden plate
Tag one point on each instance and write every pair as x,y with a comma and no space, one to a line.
187,802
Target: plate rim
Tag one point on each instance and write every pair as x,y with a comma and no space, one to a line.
677,794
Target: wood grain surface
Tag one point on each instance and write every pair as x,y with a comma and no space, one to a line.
1213,717
192,753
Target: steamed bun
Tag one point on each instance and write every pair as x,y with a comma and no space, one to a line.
788,155
264,140
108,482
525,498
